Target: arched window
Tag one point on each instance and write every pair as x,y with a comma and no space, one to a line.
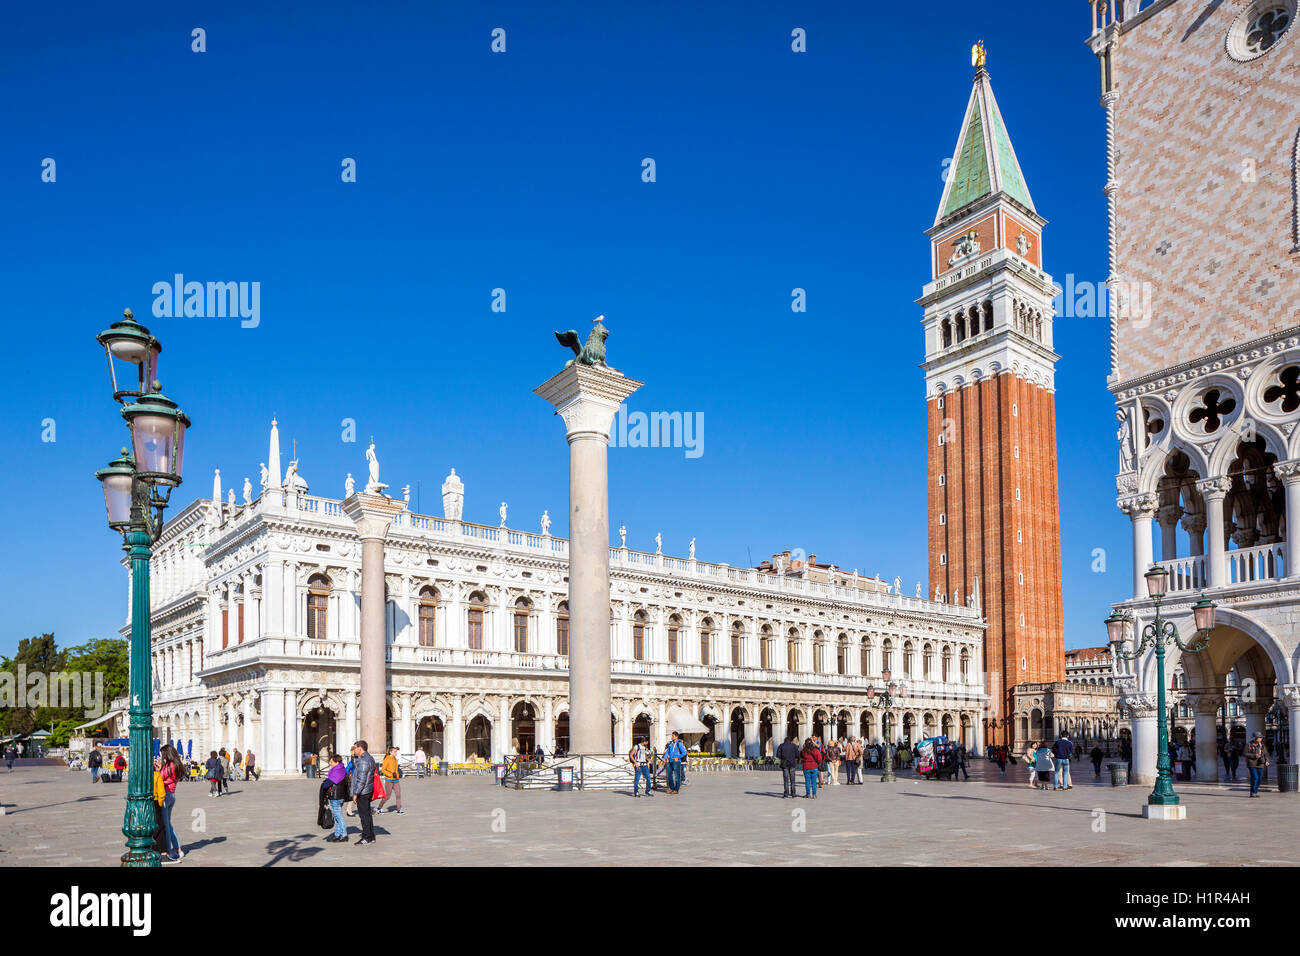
947,333
765,647
965,664
947,664
706,631
792,650
522,607
737,638
638,635
428,616
842,655
318,602
908,653
988,316
674,628
927,662
819,652
474,620
562,629
887,655
961,326
865,655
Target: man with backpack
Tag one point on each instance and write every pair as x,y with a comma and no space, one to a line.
639,757
788,755
94,762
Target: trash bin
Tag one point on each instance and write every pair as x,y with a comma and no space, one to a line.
1118,773
564,778
1288,777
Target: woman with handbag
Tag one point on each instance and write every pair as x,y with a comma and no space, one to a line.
334,790
213,774
169,770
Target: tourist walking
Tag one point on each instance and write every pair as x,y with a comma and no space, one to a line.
675,756
639,758
1062,751
391,776
94,761
335,786
959,758
250,771
225,769
119,767
1043,764
10,755
853,754
812,758
421,762
789,757
1096,756
361,786
236,764
1256,762
1234,760
1000,755
833,755
213,767
172,770
1031,760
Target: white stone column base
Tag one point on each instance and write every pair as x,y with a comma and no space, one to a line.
1153,812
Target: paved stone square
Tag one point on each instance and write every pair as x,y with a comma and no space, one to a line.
54,818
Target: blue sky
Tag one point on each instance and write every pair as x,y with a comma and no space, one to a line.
522,171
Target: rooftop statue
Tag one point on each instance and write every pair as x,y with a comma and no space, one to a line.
593,353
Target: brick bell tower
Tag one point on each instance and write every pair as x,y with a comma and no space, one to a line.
994,518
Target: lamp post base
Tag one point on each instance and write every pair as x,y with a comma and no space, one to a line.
888,777
1164,811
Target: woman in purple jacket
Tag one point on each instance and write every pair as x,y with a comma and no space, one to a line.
336,787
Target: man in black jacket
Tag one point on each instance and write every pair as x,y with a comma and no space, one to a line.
94,762
361,786
788,754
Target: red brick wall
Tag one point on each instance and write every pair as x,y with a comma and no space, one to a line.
985,423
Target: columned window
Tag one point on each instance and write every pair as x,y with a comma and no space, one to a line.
638,635
474,620
947,664
428,611
522,608
792,650
927,662
318,601
865,655
737,636
706,631
562,629
965,664
765,648
887,655
842,655
674,629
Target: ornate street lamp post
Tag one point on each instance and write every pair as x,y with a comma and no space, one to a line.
1159,634
137,486
884,700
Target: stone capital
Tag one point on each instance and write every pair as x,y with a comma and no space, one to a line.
1140,506
1169,514
1290,694
587,398
1288,471
1193,522
372,514
1141,705
1205,704
1214,487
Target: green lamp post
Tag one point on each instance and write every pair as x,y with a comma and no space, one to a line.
1159,634
137,486
884,699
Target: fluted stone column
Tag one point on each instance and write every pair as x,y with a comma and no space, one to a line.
1142,711
372,515
587,398
1291,700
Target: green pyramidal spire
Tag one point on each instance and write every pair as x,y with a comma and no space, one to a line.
984,162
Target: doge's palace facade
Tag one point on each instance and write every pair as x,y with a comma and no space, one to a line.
1203,195
256,616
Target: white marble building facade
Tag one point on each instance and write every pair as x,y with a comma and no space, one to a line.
256,611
